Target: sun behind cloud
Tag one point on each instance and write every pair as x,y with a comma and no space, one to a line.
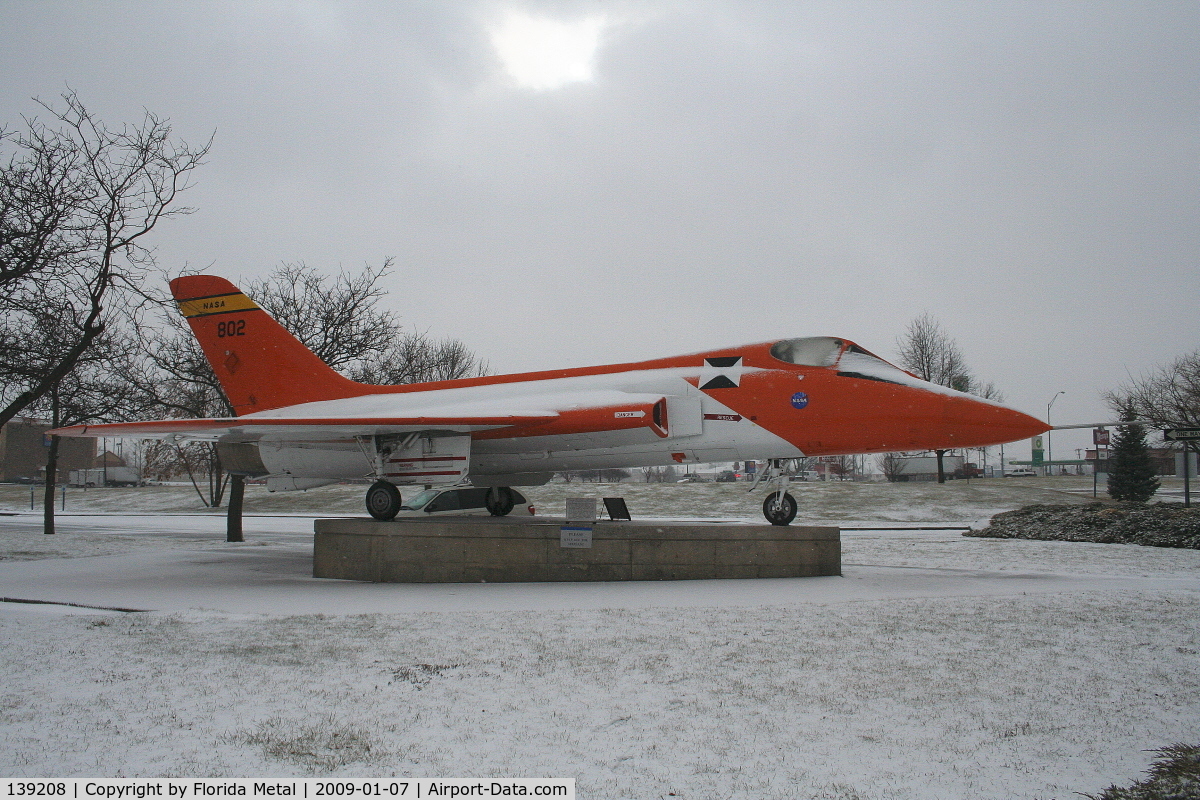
542,54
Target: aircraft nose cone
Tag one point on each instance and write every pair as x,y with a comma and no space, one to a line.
976,423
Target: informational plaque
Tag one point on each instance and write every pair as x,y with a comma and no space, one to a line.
575,536
581,509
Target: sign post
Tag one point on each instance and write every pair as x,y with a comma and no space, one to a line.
1187,478
1099,437
1187,436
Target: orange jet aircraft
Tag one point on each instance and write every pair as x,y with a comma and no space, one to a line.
300,424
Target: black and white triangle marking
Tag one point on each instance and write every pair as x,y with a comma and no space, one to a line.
724,372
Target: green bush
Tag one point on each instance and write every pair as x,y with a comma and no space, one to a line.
1156,525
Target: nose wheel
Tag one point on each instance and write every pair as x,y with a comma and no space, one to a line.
383,501
779,508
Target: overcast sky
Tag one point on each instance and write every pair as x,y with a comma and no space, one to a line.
566,184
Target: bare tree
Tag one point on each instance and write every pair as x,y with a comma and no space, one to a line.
988,391
927,351
171,373
844,467
341,321
891,464
597,475
1167,397
38,194
171,377
338,318
660,474
150,457
90,392
415,357
77,199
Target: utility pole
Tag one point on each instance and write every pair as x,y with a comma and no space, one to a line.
1049,445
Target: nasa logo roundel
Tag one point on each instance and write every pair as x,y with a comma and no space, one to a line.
799,400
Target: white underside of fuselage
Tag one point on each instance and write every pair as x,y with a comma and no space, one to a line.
700,429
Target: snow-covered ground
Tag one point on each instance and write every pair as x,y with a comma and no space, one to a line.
848,503
938,666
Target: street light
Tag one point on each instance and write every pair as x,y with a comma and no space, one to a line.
1049,448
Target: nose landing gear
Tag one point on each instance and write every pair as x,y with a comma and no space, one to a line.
780,507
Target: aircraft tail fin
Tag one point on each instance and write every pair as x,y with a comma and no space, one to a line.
259,363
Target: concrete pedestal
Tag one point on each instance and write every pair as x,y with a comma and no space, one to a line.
507,549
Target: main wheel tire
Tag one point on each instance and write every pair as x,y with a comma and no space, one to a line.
383,501
499,501
779,510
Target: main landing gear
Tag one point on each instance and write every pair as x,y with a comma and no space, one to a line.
499,501
780,507
383,501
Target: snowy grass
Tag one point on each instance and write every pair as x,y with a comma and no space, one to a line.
837,502
322,746
847,504
958,695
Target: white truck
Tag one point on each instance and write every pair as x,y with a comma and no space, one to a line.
924,468
105,476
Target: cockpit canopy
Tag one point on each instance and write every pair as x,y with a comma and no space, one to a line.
851,360
814,351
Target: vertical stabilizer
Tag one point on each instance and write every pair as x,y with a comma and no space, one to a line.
259,364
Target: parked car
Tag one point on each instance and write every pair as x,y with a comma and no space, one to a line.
1020,473
459,501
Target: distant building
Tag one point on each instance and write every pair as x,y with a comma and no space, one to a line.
108,459
1163,459
24,446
